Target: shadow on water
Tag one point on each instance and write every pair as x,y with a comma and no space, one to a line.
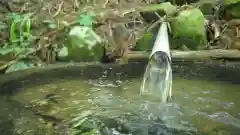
6,126
15,119
204,70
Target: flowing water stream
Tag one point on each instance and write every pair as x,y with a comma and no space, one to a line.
157,79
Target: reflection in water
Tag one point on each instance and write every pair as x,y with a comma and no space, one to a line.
157,80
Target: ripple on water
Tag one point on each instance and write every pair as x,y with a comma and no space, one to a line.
196,103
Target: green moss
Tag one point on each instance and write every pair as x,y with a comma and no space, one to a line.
83,45
189,30
227,2
144,43
233,10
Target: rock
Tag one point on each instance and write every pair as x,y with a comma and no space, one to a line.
145,43
83,44
188,29
188,32
207,6
229,2
231,10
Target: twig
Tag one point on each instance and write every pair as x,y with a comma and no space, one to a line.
218,37
194,55
105,3
59,9
237,31
153,25
76,3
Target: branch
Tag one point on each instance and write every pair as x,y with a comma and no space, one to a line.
193,55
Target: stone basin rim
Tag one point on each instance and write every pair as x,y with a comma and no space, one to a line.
220,70
60,65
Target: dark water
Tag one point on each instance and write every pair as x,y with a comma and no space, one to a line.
199,107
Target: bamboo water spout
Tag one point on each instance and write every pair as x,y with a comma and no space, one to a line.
157,80
161,43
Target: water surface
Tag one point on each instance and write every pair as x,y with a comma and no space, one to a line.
198,105
204,103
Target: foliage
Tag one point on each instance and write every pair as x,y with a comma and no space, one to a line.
21,41
233,10
94,126
227,2
19,66
84,125
87,127
3,26
85,19
63,52
17,32
82,40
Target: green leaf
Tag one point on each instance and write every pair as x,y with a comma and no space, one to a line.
19,66
16,49
48,21
63,52
24,52
12,32
26,34
32,38
25,44
52,26
22,25
3,25
80,122
4,51
28,28
17,18
85,20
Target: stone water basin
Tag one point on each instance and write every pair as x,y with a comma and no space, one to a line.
104,100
